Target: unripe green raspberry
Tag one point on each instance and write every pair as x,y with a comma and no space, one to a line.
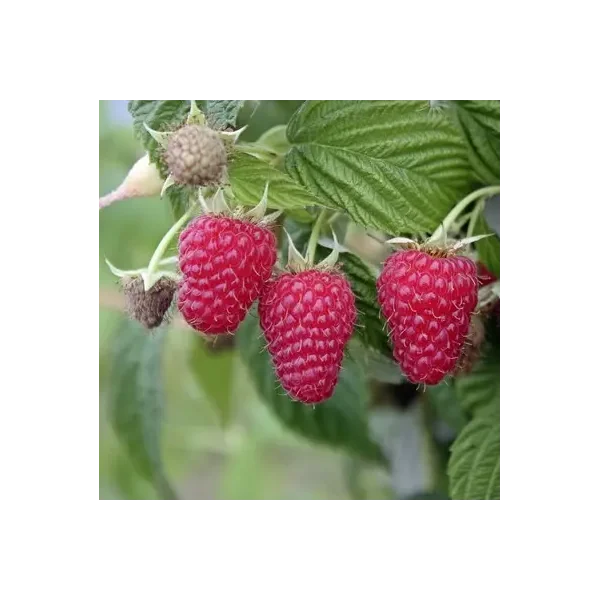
149,308
196,155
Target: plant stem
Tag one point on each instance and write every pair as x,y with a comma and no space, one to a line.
474,216
150,280
457,210
314,237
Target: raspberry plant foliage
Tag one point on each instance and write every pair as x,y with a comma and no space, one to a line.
355,170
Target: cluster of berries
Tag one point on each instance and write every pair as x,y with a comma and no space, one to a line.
427,295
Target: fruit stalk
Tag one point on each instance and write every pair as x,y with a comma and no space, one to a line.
314,238
150,276
458,209
474,216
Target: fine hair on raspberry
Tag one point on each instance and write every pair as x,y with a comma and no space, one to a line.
307,319
427,298
224,261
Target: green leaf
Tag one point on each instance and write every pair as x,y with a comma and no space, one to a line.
340,421
160,115
275,140
370,327
444,401
179,198
479,121
299,232
474,466
479,391
214,371
248,176
391,165
136,400
488,249
222,114
379,367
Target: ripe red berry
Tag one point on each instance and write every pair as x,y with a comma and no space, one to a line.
427,300
225,262
307,318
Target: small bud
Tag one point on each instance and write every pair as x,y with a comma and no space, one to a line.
142,180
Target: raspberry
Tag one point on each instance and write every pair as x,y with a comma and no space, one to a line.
149,308
225,262
196,155
307,318
427,300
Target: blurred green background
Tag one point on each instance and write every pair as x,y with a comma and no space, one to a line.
219,441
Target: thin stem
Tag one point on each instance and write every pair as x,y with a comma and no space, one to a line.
458,209
161,248
314,237
333,217
474,216
460,223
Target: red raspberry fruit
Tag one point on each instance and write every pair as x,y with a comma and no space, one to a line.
307,318
427,300
225,262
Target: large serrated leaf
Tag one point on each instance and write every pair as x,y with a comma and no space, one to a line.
249,175
474,466
480,124
136,400
222,114
391,165
340,421
479,391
